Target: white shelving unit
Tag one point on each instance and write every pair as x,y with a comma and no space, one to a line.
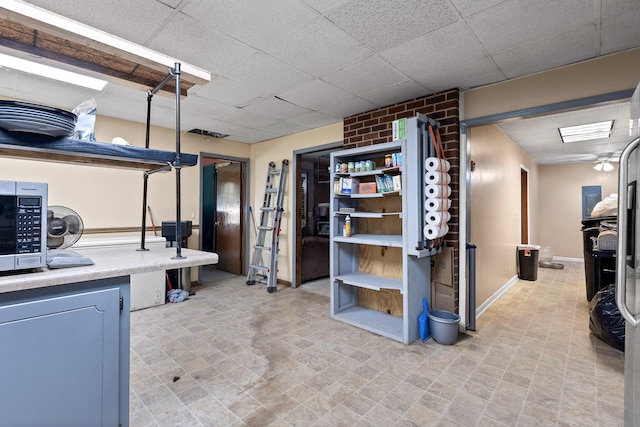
378,274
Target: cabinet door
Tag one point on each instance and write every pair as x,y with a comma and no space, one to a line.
60,360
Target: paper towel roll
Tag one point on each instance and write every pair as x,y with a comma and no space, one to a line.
436,177
434,231
437,190
436,204
436,164
436,218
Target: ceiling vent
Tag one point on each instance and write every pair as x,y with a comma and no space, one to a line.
208,133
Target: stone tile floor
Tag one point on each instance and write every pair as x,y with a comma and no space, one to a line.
235,355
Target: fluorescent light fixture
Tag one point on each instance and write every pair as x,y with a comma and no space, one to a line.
51,72
586,132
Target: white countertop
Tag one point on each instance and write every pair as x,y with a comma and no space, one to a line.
108,262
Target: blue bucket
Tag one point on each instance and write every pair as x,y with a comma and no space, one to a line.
443,326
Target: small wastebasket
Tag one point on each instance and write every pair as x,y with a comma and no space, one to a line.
443,326
528,262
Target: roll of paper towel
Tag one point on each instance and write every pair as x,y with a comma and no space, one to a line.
436,177
436,164
436,204
434,231
436,218
438,190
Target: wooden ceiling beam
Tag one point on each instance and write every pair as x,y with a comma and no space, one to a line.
35,31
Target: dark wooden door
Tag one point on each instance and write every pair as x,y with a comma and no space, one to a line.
229,218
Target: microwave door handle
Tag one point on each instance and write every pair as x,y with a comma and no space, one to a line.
621,259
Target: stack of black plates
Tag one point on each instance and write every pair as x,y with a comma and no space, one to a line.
16,116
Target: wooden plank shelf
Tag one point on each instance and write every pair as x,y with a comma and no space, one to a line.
370,281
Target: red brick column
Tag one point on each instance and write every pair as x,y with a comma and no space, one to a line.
374,127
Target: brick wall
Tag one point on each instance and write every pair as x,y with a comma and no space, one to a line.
374,127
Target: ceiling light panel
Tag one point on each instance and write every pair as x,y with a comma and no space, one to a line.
586,132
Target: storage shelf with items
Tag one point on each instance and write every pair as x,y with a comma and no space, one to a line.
379,272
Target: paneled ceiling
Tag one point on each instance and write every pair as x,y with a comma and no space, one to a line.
284,66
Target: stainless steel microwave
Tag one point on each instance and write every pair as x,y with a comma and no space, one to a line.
23,228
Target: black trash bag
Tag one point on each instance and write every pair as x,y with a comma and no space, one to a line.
605,320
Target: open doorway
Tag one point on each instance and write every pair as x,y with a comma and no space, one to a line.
311,201
223,219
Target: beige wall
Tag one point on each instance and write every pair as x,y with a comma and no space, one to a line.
276,150
560,209
495,207
112,198
595,77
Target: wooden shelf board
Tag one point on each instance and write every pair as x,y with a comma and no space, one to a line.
393,240
374,321
370,281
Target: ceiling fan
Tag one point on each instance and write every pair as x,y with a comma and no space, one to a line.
603,162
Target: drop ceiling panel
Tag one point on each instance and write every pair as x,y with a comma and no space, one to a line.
285,128
207,107
313,120
381,24
276,108
195,42
257,23
315,95
398,93
471,7
349,107
517,22
228,92
272,75
547,53
621,32
319,48
364,76
135,21
249,119
474,73
443,49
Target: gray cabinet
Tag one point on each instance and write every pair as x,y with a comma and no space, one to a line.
65,355
378,274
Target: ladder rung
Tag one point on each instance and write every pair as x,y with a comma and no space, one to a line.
262,227
275,172
259,267
263,248
272,190
268,209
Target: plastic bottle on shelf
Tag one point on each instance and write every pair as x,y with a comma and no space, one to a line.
347,226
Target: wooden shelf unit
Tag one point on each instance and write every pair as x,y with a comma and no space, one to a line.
378,276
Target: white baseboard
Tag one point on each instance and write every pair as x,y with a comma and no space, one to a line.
493,298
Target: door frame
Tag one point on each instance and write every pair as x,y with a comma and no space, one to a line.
525,211
245,181
465,184
295,169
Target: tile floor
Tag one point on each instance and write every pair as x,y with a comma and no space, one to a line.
235,355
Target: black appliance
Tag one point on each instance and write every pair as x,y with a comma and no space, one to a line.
169,232
599,266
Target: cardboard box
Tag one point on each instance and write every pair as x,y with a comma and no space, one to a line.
443,297
397,183
368,188
349,185
443,267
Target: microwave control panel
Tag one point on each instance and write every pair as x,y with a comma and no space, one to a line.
29,225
